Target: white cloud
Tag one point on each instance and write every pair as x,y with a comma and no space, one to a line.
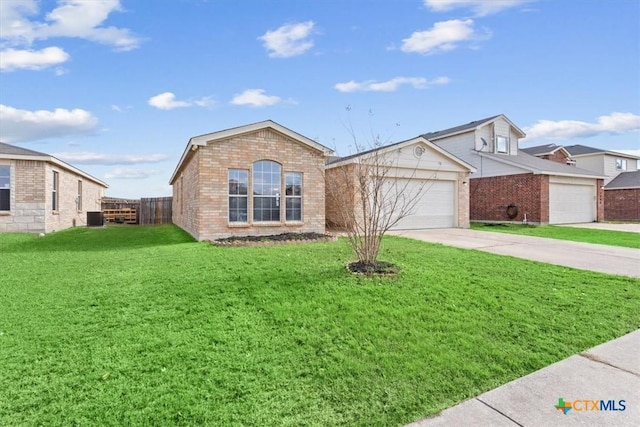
167,101
255,98
479,7
567,129
288,40
122,173
442,37
24,125
390,85
89,158
27,59
71,18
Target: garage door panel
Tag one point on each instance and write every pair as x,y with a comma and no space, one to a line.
571,203
435,207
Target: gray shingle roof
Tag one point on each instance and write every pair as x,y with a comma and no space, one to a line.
456,129
18,151
540,150
581,150
538,165
624,180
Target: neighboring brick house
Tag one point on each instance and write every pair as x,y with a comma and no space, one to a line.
553,152
511,185
41,194
431,184
257,179
622,197
621,181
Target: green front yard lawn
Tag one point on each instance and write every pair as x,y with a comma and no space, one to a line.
586,235
143,326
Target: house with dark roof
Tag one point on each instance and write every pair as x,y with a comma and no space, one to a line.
622,181
510,184
40,193
605,162
553,152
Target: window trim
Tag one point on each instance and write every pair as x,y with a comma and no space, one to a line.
621,164
55,191
7,189
79,198
277,196
292,197
506,142
236,196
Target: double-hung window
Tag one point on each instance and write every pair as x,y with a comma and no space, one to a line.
293,195
267,176
79,199
5,188
238,195
621,164
54,191
502,144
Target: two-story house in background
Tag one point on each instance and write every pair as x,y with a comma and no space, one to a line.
512,185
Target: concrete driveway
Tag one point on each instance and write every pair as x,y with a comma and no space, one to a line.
584,256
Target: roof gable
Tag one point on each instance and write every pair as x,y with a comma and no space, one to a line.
398,146
203,140
472,126
545,150
13,152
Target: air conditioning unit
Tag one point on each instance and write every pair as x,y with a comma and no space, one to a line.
95,219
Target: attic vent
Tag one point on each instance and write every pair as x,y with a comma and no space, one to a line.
418,151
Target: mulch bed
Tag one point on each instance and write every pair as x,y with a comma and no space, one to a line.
274,239
378,268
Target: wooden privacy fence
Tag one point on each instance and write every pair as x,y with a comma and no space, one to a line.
145,211
155,210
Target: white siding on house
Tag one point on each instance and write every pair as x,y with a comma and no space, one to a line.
460,146
592,163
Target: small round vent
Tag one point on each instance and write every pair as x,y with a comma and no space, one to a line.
418,151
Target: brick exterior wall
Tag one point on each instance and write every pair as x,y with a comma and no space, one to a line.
31,198
622,205
558,157
490,197
204,195
185,209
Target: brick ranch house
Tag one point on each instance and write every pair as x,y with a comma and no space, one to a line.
257,179
510,184
417,174
41,194
622,182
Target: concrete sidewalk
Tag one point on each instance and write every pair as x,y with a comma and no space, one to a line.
608,372
585,256
629,227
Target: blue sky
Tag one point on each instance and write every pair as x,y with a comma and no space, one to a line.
117,88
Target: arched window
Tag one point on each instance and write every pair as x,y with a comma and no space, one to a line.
267,182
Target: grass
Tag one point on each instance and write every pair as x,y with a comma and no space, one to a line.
587,235
143,326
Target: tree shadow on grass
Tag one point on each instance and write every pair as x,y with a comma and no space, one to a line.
108,238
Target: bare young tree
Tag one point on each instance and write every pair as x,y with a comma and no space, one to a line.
369,193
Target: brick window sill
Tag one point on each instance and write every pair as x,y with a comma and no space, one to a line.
294,224
238,225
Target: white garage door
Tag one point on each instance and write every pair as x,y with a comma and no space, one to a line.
571,203
435,207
